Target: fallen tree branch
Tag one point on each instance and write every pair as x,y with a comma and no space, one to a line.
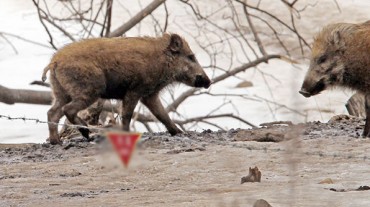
12,96
202,118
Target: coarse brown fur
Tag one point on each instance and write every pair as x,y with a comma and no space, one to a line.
341,57
130,69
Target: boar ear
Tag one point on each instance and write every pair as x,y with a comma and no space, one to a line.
175,43
338,40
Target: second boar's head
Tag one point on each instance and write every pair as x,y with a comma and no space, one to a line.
188,69
326,63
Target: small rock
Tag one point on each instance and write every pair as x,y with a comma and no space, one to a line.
337,190
69,145
261,203
362,188
72,173
45,145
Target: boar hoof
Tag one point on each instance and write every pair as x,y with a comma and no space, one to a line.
55,141
174,132
85,132
365,134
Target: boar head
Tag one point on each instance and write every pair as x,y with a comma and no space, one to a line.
326,64
188,69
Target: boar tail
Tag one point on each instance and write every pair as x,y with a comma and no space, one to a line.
43,78
46,69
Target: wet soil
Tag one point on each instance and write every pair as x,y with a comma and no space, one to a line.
196,169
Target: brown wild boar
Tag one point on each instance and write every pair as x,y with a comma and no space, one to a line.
130,69
341,57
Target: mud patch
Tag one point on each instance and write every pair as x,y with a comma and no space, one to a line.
188,165
361,188
192,149
90,194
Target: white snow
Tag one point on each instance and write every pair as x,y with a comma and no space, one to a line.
18,70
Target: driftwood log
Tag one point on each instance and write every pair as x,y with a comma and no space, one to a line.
355,105
90,115
12,96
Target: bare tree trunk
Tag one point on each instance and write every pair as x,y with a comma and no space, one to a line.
356,105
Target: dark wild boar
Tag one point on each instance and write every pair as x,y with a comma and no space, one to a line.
130,69
341,57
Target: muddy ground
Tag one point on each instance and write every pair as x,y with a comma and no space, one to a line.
197,169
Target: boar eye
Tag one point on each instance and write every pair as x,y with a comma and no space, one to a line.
191,58
322,59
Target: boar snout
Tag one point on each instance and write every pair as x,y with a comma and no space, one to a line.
311,89
202,81
304,93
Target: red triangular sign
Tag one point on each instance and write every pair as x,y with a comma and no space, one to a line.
124,144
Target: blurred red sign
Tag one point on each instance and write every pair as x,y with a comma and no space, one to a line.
124,143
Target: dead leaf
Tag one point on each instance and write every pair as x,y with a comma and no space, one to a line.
244,84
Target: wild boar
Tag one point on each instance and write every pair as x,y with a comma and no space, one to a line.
130,69
341,57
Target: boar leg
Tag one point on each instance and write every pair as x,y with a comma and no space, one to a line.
155,106
129,103
54,115
367,123
71,109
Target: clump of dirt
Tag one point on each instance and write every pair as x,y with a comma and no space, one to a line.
265,134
